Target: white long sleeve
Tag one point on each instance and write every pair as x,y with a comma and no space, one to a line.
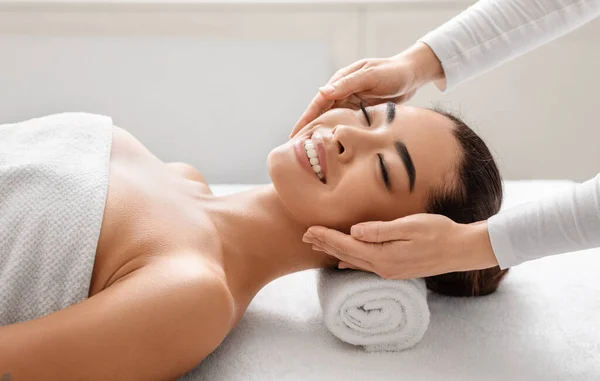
565,222
491,32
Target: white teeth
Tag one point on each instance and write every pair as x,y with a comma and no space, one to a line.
309,147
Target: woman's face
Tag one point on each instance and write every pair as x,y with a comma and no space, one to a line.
378,166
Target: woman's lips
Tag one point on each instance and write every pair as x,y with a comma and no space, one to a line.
319,144
302,158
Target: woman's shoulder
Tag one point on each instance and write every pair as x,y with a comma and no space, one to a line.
192,270
202,284
189,172
195,286
173,309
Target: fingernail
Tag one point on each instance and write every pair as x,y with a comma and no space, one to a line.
317,248
342,266
357,231
328,89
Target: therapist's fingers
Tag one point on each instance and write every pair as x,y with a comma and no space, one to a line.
340,253
317,106
349,84
346,70
343,96
352,102
402,98
343,244
400,229
345,265
320,103
323,101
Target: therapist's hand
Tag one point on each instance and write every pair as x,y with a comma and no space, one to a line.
374,81
415,246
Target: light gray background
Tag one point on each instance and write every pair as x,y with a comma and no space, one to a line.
203,102
219,84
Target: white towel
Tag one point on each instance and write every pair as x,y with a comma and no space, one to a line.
361,308
54,173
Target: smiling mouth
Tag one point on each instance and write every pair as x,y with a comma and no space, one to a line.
311,155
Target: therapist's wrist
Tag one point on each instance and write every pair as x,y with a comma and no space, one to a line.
426,65
478,247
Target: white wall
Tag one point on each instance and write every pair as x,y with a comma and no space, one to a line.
187,99
220,85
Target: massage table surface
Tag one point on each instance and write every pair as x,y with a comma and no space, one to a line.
542,324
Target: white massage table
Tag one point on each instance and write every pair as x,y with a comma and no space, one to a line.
542,324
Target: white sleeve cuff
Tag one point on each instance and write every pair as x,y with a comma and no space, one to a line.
501,242
444,53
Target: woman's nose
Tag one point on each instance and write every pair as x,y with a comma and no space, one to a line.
352,141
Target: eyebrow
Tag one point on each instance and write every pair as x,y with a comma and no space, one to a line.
390,113
407,161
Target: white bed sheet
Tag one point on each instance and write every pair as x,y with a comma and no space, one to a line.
542,324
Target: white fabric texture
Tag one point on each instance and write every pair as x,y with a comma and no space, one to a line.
491,32
541,325
563,222
53,185
362,309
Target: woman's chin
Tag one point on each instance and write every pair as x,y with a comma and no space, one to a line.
276,164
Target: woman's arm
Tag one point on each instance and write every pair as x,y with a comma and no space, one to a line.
494,31
156,323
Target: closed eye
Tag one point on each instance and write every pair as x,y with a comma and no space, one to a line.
362,107
384,172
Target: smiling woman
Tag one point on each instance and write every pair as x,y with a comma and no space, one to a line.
153,264
382,162
388,161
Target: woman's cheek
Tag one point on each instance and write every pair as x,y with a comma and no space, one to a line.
330,212
343,217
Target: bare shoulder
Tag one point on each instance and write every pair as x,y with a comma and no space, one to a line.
199,291
189,172
203,283
156,323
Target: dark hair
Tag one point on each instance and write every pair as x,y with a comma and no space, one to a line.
475,194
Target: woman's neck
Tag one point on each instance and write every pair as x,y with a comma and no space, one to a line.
261,240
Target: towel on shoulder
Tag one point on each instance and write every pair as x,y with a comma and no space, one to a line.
54,174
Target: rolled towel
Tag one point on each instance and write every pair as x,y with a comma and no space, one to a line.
363,309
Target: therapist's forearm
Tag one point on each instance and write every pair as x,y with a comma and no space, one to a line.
563,222
494,31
